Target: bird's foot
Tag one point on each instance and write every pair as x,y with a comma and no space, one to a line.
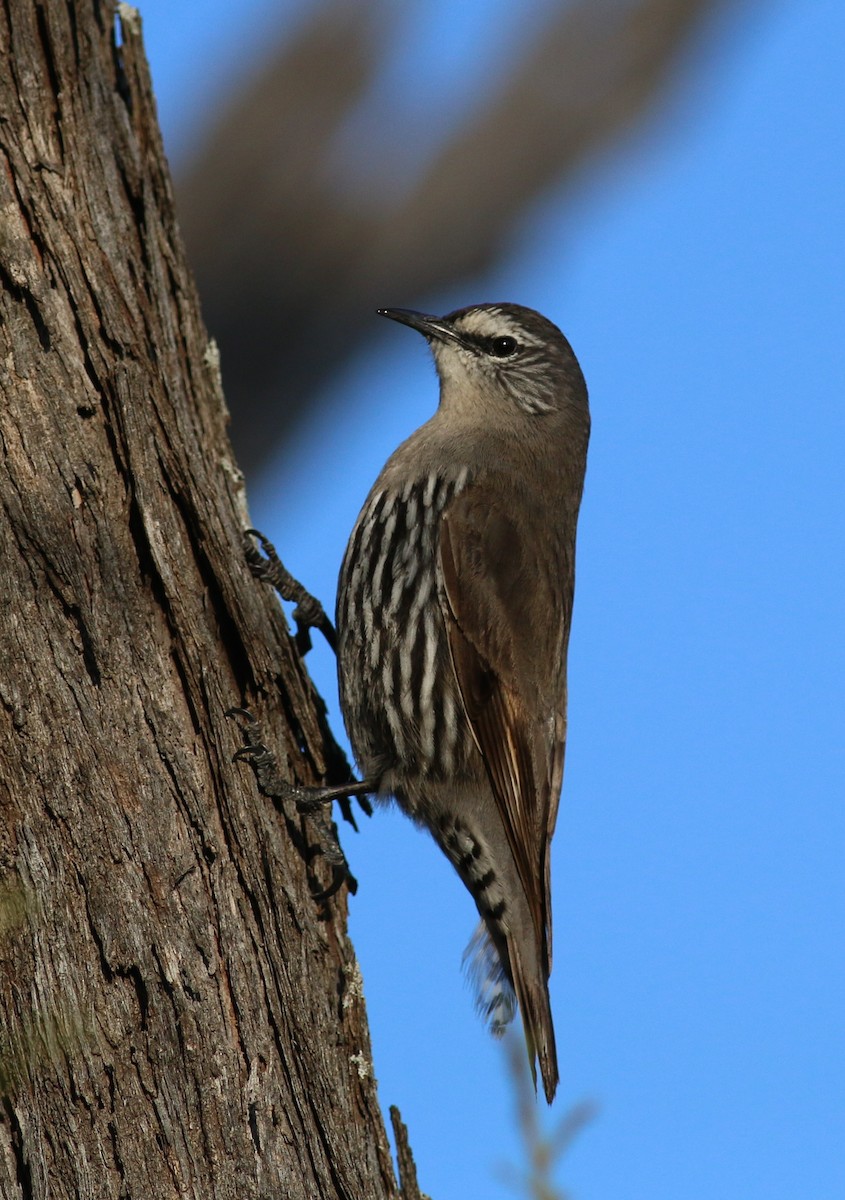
309,613
312,802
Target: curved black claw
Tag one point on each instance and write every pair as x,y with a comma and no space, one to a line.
251,730
244,714
340,875
255,752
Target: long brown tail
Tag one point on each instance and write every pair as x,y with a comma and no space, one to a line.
495,981
532,995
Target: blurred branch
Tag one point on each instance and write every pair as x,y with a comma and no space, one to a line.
290,265
535,1179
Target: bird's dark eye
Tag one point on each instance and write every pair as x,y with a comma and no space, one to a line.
503,347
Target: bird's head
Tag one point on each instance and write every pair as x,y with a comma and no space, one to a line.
501,361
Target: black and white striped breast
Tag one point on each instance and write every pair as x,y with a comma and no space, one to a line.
397,686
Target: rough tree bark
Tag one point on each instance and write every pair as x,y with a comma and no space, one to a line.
179,1015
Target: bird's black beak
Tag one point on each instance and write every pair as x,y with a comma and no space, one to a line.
430,327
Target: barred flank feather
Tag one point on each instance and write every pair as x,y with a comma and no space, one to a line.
398,700
494,994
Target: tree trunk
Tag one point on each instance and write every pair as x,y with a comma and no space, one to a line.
179,1015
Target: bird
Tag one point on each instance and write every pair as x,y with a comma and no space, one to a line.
453,615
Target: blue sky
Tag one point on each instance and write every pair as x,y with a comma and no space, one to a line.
699,988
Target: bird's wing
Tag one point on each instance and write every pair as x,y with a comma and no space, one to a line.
504,602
